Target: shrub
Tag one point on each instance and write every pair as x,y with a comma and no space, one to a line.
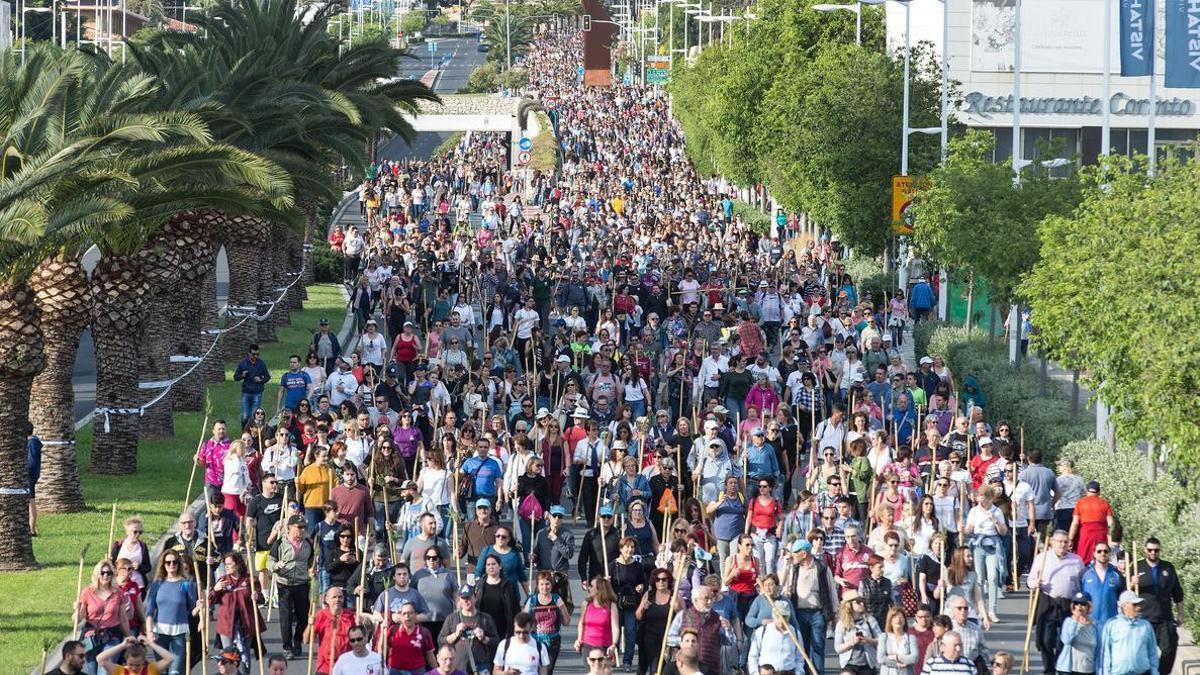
1162,508
1011,394
871,279
327,263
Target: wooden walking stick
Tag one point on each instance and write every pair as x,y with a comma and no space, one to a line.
531,547
112,529
312,627
1037,591
812,669
680,567
203,602
45,649
187,498
1133,575
253,606
1013,508
79,591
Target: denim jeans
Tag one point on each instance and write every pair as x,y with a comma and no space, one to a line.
385,515
737,409
249,403
812,632
177,645
629,640
766,549
989,569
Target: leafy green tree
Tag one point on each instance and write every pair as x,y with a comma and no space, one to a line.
1115,292
974,218
413,23
835,136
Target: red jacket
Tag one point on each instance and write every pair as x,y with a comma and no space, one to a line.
325,629
235,607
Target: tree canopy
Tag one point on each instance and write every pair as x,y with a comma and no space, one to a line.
1115,293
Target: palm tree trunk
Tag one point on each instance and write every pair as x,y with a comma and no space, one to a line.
158,339
183,245
119,293
21,357
61,292
244,262
280,266
266,294
213,368
190,312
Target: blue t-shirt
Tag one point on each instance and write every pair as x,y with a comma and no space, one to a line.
486,471
295,386
730,519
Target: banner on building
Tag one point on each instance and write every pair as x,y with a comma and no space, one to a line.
1137,38
1182,24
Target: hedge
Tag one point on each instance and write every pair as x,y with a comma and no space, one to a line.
871,279
327,263
1011,394
1162,508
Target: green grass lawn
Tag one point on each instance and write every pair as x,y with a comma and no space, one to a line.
38,604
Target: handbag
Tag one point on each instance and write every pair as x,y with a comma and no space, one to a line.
530,508
908,600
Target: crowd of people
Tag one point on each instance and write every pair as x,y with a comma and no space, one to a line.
763,475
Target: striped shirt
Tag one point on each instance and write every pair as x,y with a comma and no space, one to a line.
940,665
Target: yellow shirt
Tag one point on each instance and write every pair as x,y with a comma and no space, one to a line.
314,485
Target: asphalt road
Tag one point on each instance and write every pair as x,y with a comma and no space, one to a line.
464,57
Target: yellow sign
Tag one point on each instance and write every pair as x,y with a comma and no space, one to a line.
904,188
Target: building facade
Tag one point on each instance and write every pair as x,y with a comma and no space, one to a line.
1062,75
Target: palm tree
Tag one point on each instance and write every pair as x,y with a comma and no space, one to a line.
507,31
55,183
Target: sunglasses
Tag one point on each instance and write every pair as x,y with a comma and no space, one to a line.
355,641
596,659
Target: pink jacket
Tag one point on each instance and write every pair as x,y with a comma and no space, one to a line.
765,399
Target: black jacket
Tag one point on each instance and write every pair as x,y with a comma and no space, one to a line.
591,557
1160,600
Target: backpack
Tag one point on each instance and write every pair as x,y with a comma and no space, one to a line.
667,503
530,507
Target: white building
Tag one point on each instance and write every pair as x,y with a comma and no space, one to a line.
1062,82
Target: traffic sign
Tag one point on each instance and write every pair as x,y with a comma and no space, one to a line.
657,75
525,143
432,46
523,157
904,189
551,103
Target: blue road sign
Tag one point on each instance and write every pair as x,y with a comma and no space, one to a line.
525,143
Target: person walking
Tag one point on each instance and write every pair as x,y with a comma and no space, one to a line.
252,372
1157,583
1058,573
1080,639
171,605
1091,521
1128,644
290,559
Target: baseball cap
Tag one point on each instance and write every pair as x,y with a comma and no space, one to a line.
483,504
1081,599
606,511
801,545
558,510
542,413
466,591
563,358
323,322
1093,486
408,485
391,370
758,431
1128,598
924,360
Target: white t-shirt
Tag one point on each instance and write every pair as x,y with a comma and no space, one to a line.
524,657
373,348
525,320
349,664
983,523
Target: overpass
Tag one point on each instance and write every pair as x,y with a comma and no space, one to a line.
476,112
